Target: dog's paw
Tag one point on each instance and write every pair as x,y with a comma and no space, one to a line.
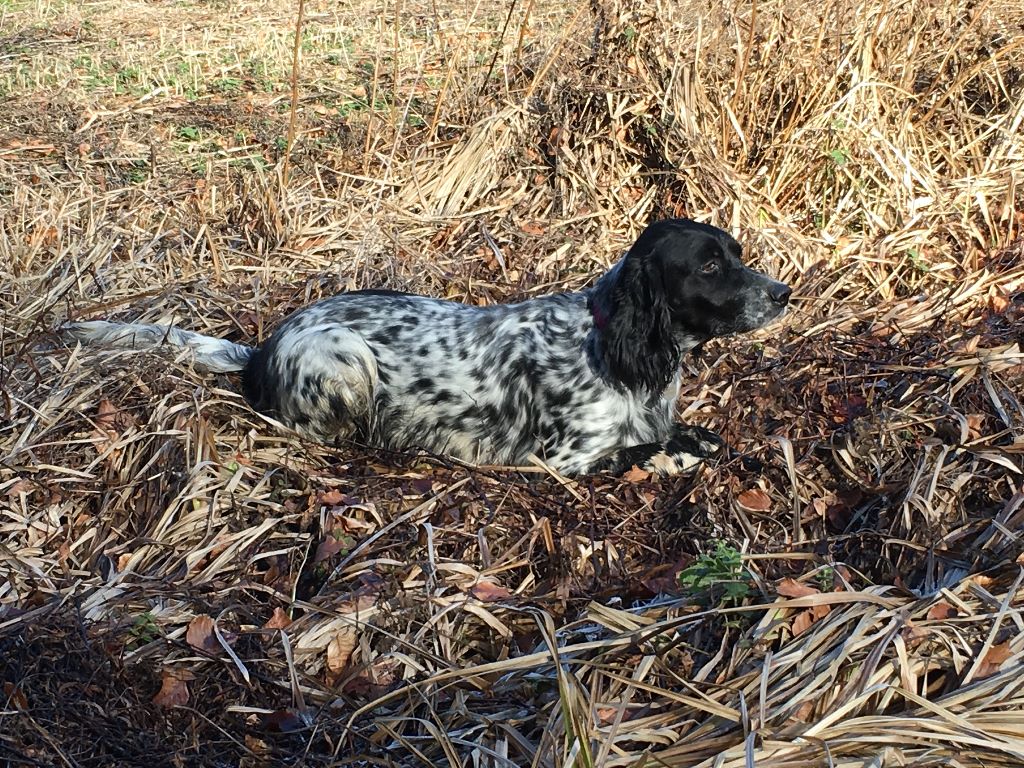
686,450
697,441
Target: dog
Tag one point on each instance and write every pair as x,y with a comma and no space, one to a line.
584,381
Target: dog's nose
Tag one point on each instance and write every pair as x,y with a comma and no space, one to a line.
780,293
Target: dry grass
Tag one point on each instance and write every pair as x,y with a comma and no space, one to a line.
185,585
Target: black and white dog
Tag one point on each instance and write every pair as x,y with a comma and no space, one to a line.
585,381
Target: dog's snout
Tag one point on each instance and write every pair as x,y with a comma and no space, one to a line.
780,293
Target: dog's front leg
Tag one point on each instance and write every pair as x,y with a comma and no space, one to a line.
685,450
682,452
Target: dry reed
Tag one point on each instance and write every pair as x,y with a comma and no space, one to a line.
179,577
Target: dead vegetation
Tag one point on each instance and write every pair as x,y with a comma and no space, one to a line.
182,584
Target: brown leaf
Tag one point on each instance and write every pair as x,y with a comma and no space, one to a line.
664,578
792,588
200,634
279,620
489,592
258,747
327,549
805,619
339,651
110,418
941,610
982,580
105,414
373,680
15,697
608,715
975,424
173,691
913,635
802,622
19,487
331,498
997,302
754,500
636,475
994,659
532,228
287,720
841,576
803,712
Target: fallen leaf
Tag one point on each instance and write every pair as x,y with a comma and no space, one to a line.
488,591
982,580
15,696
173,690
841,576
19,487
331,498
608,715
339,651
279,620
664,578
105,414
805,619
373,680
258,747
997,302
975,425
111,417
913,635
994,659
754,500
941,611
792,588
802,622
803,712
636,475
200,634
327,549
287,720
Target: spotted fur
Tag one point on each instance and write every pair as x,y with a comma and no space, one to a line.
585,381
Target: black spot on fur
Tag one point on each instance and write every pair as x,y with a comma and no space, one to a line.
559,397
422,386
443,396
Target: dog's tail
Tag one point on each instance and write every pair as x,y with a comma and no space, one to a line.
210,354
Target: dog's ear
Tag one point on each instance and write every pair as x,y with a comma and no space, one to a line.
637,338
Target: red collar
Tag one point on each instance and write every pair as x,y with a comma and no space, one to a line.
600,318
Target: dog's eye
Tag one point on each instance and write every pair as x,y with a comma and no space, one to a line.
710,268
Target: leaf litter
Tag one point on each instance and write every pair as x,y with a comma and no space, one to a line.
844,591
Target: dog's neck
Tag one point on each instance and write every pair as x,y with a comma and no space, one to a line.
601,305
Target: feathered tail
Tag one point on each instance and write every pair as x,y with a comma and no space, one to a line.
210,354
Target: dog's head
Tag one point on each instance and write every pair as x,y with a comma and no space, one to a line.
681,284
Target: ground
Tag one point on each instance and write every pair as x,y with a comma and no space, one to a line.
184,584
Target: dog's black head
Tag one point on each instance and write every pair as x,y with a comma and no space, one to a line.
681,284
